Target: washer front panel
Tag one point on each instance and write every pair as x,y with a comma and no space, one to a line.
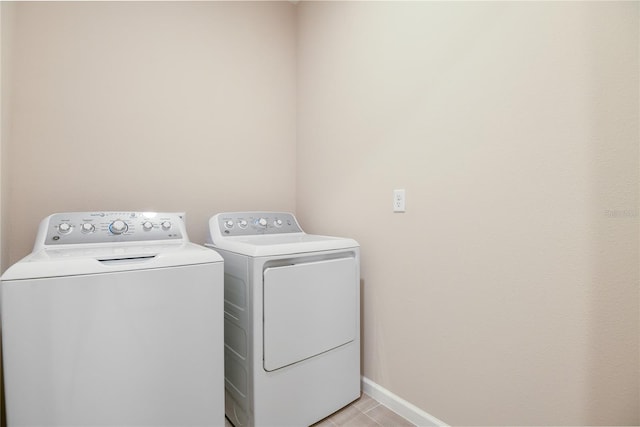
139,348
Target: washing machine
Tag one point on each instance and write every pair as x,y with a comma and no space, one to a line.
114,319
291,319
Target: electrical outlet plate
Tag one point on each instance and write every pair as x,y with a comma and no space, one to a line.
399,200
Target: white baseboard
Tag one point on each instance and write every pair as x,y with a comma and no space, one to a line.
400,406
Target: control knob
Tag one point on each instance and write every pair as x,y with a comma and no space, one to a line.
166,225
64,228
262,222
118,227
228,223
88,228
277,223
147,225
242,223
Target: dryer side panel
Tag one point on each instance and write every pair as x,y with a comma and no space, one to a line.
309,308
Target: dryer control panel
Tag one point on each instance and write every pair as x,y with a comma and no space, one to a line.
106,227
256,223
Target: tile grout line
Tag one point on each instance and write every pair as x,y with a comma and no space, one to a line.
372,408
374,421
385,407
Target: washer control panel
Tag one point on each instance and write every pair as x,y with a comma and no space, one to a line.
104,227
252,223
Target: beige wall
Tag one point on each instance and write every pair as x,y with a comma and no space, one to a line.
7,15
6,43
508,291
150,106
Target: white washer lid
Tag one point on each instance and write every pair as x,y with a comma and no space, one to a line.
108,258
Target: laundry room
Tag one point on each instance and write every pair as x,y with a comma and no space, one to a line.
504,290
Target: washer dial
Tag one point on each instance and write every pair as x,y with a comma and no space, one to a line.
118,227
88,228
64,228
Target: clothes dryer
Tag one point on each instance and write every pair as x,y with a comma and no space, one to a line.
114,319
292,319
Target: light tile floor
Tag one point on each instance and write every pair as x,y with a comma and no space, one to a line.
364,412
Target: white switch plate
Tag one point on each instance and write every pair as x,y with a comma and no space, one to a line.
399,200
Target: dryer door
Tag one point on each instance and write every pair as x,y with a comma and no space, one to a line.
309,308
